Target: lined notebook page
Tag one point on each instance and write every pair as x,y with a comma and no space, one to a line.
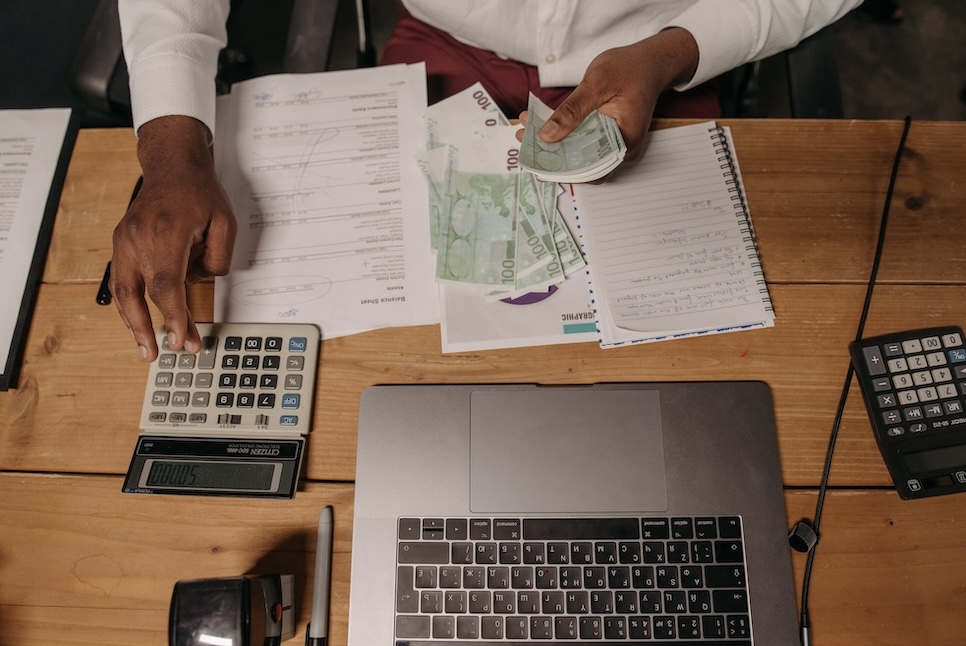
669,242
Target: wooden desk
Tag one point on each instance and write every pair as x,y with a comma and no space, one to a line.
80,563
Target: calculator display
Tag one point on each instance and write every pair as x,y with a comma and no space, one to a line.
947,457
220,475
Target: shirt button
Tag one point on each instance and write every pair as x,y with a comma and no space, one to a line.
550,58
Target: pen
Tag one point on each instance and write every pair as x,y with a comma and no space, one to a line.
318,624
104,291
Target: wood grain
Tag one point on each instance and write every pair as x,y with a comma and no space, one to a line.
82,563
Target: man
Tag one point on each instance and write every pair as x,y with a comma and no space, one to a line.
625,58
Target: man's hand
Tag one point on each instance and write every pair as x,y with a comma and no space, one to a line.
179,229
625,83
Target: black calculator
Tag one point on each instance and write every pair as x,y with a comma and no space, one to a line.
914,387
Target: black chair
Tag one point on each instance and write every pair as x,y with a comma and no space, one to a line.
810,71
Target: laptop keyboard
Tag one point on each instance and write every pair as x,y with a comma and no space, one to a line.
676,580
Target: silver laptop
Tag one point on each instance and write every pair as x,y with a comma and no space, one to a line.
627,513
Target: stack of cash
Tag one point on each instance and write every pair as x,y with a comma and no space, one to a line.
591,151
491,224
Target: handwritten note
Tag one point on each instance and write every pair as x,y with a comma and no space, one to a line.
670,242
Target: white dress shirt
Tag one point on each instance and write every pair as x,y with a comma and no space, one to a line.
171,46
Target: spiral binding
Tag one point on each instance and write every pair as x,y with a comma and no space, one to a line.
729,165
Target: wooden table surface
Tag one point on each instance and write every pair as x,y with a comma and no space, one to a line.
81,563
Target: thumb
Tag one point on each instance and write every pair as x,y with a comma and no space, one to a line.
570,114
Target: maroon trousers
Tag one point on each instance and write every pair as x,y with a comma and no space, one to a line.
452,66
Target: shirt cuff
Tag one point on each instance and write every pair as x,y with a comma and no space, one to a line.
726,39
172,84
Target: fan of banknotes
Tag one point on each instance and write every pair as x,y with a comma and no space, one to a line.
491,224
591,151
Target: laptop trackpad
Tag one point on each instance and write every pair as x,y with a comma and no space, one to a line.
566,451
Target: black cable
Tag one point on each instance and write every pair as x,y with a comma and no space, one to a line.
836,424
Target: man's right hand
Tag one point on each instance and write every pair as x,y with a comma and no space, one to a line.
179,229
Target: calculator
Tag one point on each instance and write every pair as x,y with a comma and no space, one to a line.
914,387
230,420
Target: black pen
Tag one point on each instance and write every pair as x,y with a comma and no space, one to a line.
317,631
104,291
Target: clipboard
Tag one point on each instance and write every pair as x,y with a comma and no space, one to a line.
34,276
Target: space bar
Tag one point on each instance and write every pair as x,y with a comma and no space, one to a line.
621,642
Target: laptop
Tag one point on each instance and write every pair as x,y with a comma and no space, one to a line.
635,513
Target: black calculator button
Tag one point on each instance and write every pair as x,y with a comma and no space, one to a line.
233,343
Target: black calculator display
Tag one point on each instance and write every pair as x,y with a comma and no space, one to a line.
914,387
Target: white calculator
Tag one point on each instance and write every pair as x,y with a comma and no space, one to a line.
230,420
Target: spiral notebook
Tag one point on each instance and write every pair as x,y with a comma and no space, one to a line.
669,242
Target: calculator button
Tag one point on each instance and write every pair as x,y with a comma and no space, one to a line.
895,431
177,418
224,400
936,359
250,362
952,340
227,380
891,417
934,410
941,374
197,418
911,345
297,344
912,413
953,407
887,401
931,343
200,400
160,398
245,400
233,343
167,361
294,363
898,365
881,383
157,417
268,382
874,361
186,361
917,428
206,357
163,379
291,401
293,382
204,380
914,485
946,391
271,363
253,344
892,349
273,344
960,477
248,380
288,420
180,398
956,356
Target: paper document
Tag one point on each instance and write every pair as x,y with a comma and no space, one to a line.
330,202
30,148
670,246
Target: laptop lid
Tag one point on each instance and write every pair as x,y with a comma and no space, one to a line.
605,450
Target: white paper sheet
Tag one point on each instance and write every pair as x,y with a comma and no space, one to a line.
30,145
331,206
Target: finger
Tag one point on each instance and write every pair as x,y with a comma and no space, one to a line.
166,286
127,291
569,114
